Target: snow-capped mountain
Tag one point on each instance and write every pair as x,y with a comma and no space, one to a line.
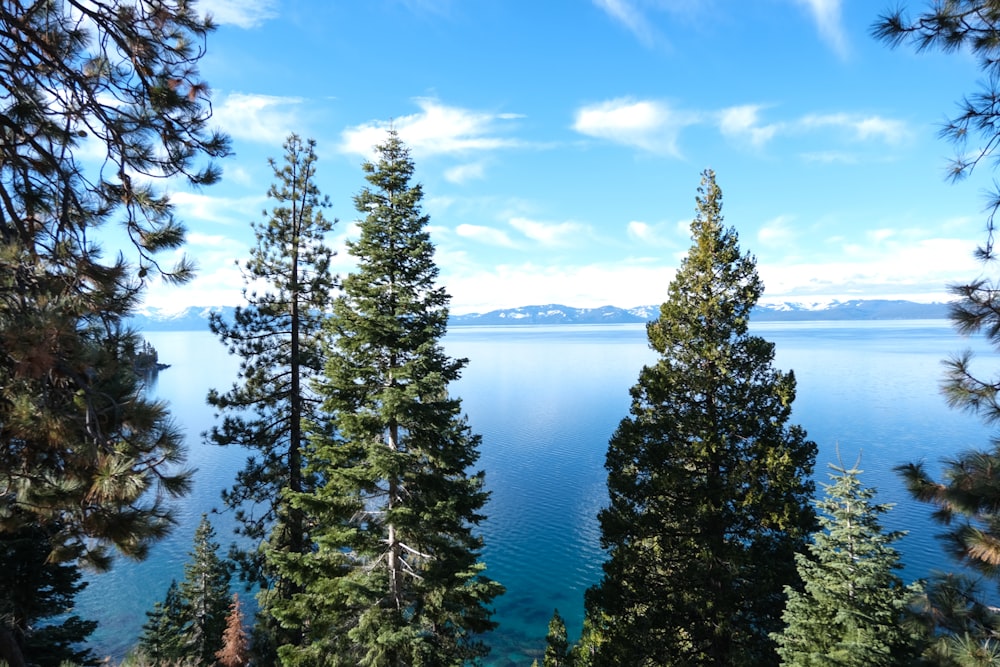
196,319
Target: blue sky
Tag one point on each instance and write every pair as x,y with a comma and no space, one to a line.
560,142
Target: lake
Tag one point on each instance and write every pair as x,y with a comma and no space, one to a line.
545,400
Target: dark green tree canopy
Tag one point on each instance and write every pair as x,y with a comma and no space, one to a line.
709,485
395,577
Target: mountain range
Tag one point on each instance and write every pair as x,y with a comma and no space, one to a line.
196,319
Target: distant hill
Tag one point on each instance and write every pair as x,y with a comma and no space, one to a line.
196,319
785,312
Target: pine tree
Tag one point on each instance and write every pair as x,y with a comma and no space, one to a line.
709,486
204,592
81,447
235,651
556,643
851,610
278,335
36,600
163,637
395,577
958,627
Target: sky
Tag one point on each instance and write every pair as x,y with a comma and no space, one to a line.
560,143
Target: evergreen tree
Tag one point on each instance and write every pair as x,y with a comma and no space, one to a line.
163,634
205,595
81,447
278,335
235,651
36,598
957,627
395,577
189,623
709,486
556,643
851,609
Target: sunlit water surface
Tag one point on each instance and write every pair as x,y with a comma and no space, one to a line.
546,400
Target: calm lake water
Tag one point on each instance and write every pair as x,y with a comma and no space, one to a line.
546,400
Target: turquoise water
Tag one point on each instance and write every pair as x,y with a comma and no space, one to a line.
546,400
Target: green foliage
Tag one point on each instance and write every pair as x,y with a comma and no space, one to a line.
556,644
85,457
162,640
188,625
851,608
278,336
36,596
394,577
709,486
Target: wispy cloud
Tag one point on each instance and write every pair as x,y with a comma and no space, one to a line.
660,234
647,124
465,172
241,13
860,127
827,15
208,208
261,118
743,122
631,17
436,129
487,235
655,126
550,233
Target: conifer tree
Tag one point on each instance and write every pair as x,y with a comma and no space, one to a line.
36,599
851,609
163,634
709,485
556,643
81,447
278,336
235,651
394,578
204,592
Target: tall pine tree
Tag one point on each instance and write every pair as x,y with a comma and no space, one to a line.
278,335
850,612
395,578
709,485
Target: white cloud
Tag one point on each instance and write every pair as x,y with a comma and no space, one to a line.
241,13
465,172
628,15
862,128
260,118
437,129
743,122
826,14
661,234
650,125
193,206
487,235
550,234
776,232
584,286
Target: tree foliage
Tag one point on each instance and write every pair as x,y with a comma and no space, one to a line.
557,652
36,600
98,101
851,609
278,336
394,578
188,625
709,485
